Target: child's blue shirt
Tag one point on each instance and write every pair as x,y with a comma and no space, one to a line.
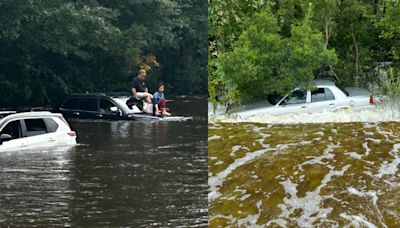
157,96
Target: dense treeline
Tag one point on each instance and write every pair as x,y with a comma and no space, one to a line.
259,47
50,48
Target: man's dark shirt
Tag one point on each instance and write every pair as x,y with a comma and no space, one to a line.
139,85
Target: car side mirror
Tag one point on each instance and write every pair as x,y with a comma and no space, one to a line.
5,137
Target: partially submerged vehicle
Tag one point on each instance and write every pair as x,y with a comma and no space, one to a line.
109,106
324,97
30,130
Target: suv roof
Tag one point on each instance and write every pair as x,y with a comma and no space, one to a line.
6,113
105,94
14,115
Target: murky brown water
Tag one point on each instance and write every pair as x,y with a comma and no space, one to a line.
122,173
323,175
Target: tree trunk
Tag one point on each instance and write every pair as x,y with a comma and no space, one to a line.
326,31
353,36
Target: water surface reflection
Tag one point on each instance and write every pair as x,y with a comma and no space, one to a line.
122,173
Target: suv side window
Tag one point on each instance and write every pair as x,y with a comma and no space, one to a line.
88,104
70,104
105,106
13,128
35,127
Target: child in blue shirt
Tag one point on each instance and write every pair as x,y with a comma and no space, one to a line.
159,101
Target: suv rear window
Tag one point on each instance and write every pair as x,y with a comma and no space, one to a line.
51,125
35,127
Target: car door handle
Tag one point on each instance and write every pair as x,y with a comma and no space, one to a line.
23,145
303,107
99,115
331,104
52,140
76,113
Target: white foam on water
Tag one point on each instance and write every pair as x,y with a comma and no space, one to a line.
379,114
387,168
238,189
367,149
368,194
217,181
244,197
309,205
251,220
357,221
263,136
234,149
327,154
374,140
219,163
354,155
386,134
368,133
214,137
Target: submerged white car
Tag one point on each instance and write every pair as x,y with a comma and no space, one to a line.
325,97
30,130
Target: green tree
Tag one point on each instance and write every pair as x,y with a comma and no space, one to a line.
42,40
263,61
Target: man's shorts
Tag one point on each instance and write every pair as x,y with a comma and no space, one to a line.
141,95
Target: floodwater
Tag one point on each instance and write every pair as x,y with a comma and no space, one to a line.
122,173
304,175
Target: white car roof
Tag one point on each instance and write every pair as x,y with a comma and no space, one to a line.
323,82
39,114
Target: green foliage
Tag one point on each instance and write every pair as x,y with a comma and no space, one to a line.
49,48
390,88
263,61
260,47
225,24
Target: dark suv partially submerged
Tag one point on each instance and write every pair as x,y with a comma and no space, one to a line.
111,106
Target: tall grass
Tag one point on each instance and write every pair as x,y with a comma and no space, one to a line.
390,89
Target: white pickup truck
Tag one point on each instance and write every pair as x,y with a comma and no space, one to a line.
326,96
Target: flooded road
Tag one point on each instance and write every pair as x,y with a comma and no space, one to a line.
122,173
304,175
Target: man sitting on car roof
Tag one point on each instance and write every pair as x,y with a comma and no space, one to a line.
139,89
